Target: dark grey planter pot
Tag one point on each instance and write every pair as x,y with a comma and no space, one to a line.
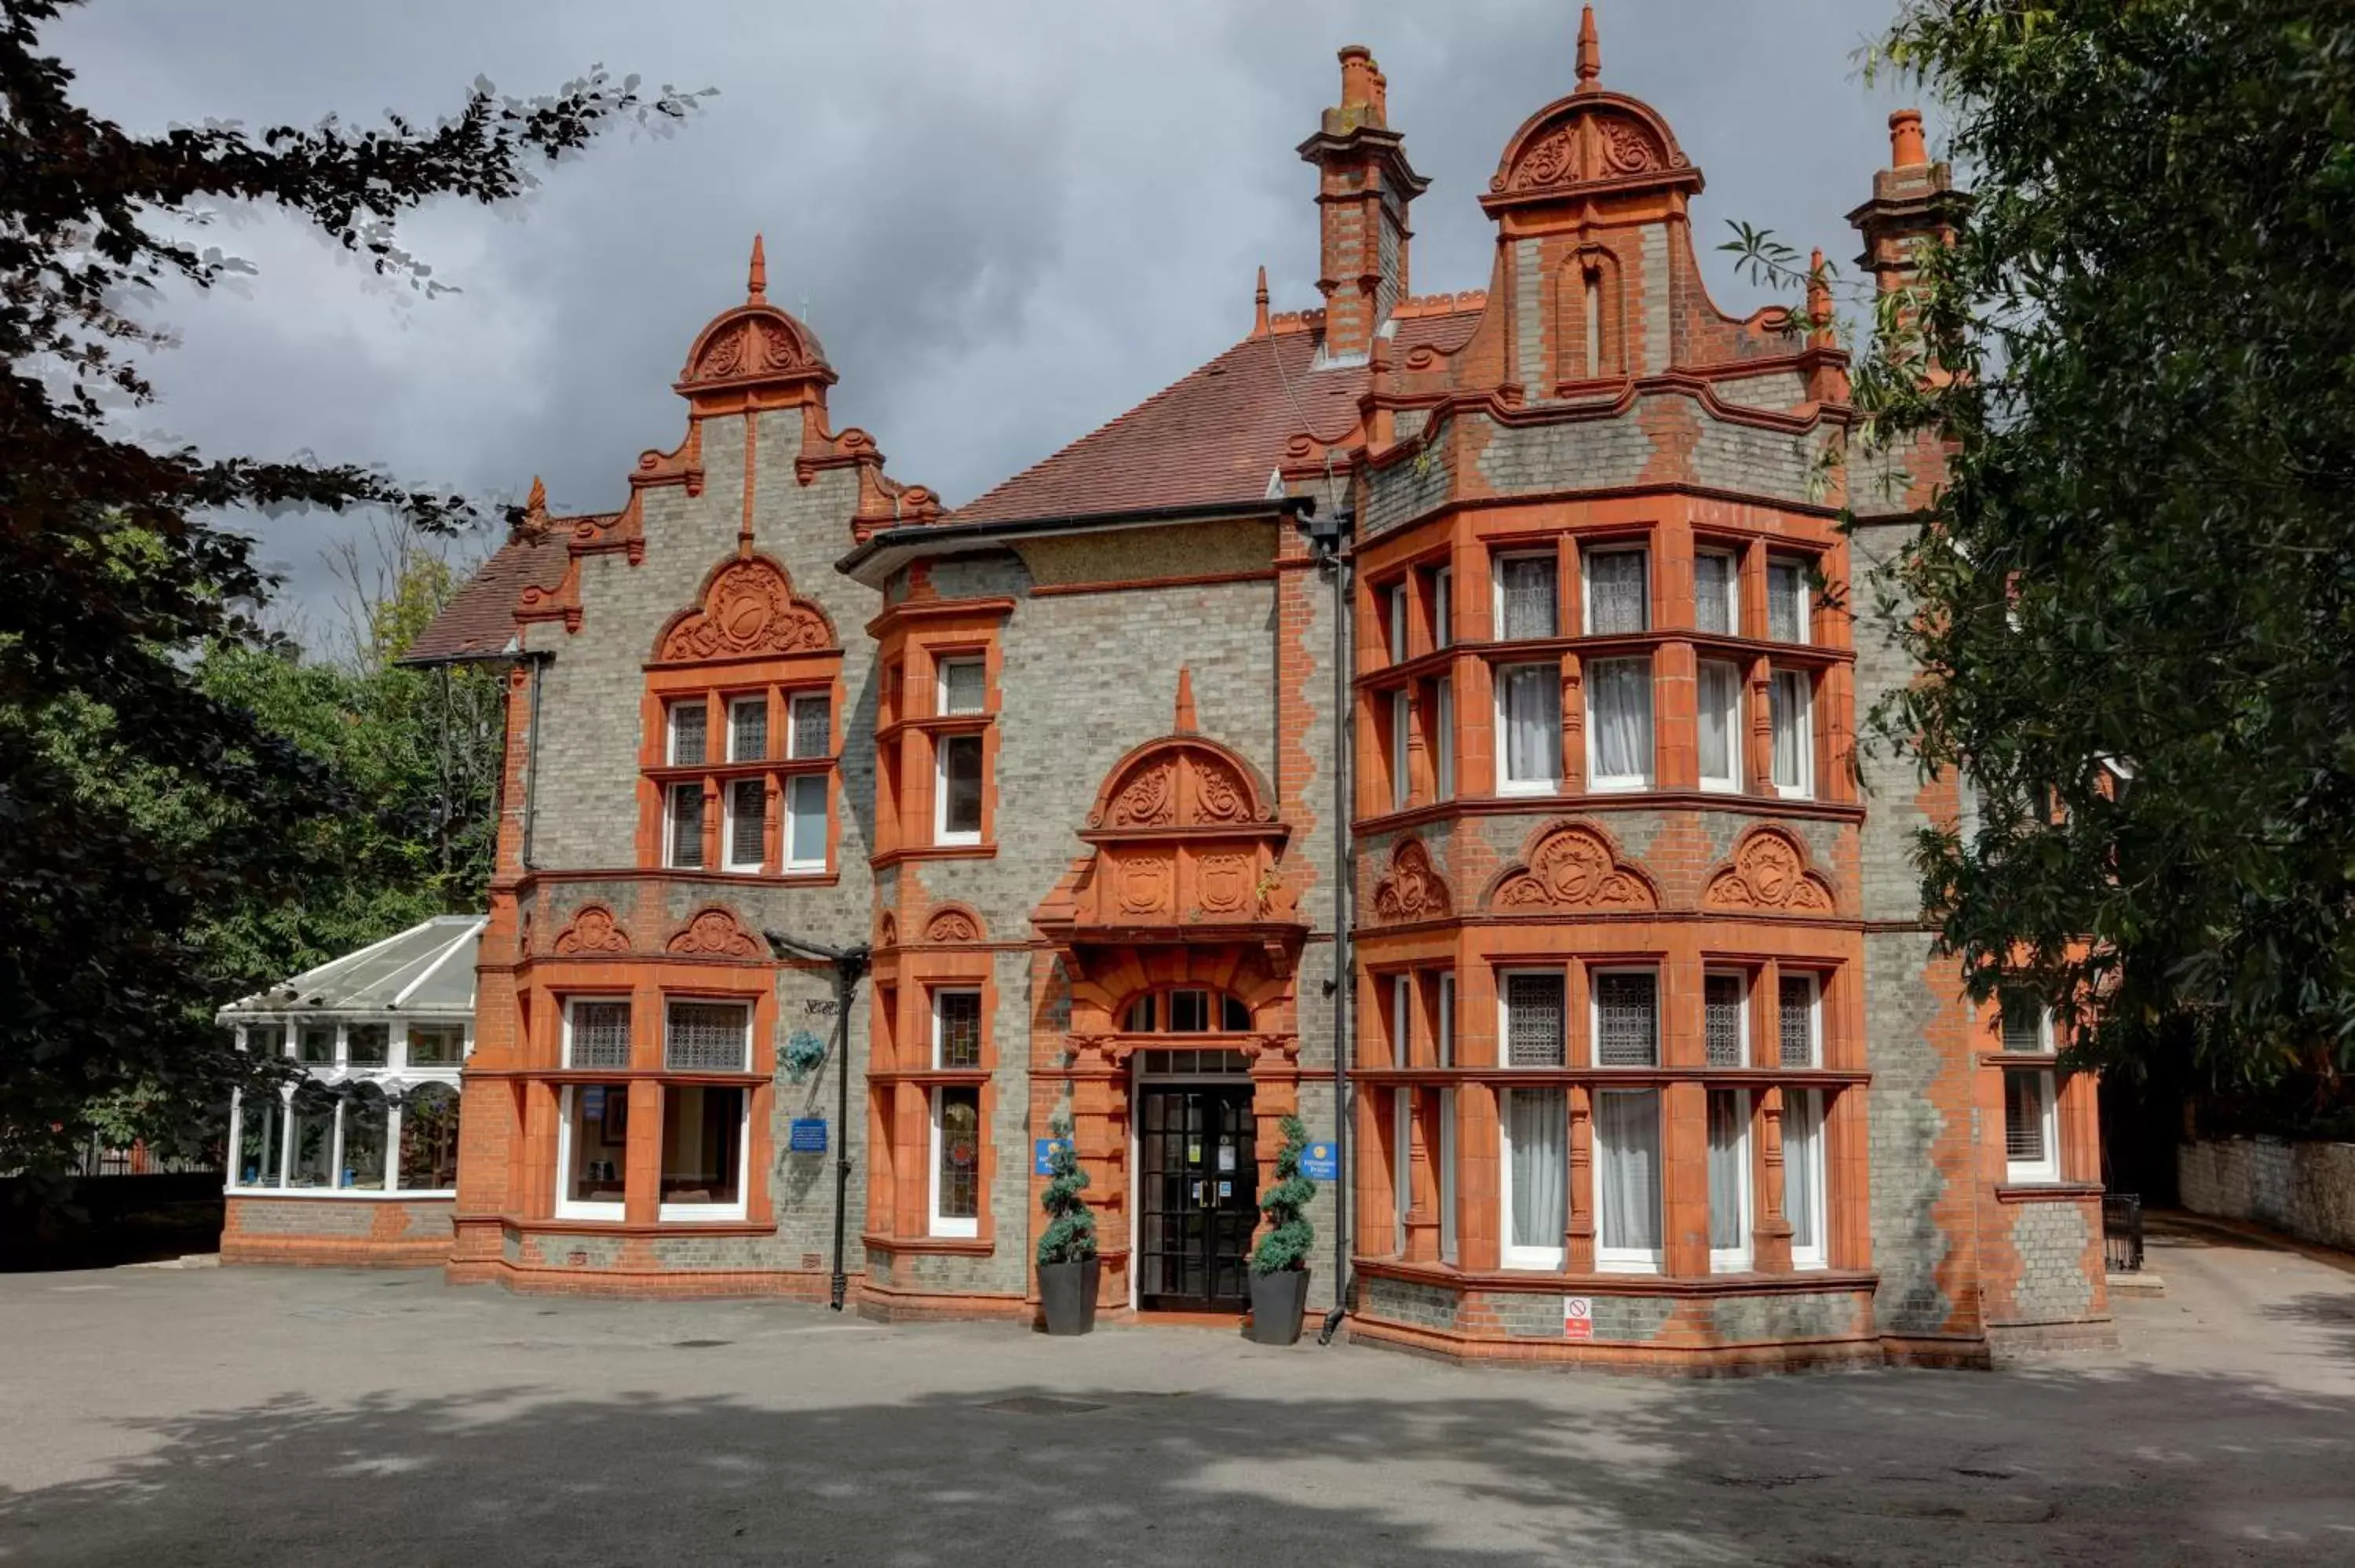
1279,1301
1067,1295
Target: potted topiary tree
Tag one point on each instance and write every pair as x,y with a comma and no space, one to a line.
1067,1251
1279,1284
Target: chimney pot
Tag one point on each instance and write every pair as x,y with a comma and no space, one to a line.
1906,148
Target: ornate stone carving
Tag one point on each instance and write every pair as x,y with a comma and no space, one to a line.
714,933
1150,798
1144,886
592,930
1626,149
1223,882
1219,795
887,930
749,611
1552,160
1412,888
1573,867
1769,876
953,926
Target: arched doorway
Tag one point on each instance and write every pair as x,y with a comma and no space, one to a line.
1196,1142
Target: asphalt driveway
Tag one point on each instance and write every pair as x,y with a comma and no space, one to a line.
256,1417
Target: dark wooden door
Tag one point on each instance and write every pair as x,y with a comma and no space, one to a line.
1197,1197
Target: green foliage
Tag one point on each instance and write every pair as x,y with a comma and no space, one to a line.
1285,1204
152,819
1070,1233
2134,598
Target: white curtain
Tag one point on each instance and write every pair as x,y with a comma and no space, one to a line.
1728,1122
1628,1163
1537,1120
1718,686
1532,724
1713,592
1620,713
1803,1196
1790,707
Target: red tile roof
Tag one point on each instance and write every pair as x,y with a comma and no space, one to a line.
480,619
1212,437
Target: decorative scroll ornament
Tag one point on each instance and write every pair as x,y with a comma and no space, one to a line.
1770,875
594,930
714,933
1574,867
749,611
1219,795
1412,888
1150,798
953,926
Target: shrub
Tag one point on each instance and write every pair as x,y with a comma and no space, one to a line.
1285,1204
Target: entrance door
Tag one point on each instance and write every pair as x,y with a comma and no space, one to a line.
1197,1197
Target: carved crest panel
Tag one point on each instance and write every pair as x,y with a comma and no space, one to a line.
1412,888
592,930
714,933
1574,867
953,925
749,611
1223,882
1769,876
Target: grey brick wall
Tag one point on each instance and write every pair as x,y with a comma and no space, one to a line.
2306,1188
1658,347
1908,1245
2050,1240
1406,1301
1755,1319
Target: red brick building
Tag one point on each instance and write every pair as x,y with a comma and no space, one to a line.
1530,795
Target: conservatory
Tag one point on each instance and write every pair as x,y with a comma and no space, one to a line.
356,1161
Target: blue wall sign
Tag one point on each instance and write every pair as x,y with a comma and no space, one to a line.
806,1136
1320,1162
1041,1152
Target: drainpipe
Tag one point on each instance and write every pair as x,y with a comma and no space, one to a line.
849,965
1328,539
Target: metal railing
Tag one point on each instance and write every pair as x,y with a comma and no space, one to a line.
2122,1232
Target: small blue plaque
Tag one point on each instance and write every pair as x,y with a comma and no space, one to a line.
1041,1152
1320,1162
806,1136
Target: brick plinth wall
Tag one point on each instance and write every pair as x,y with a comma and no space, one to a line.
337,1233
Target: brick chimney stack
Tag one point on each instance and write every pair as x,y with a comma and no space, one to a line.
1364,184
1913,200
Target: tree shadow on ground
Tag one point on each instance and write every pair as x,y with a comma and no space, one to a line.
2053,1462
2331,1311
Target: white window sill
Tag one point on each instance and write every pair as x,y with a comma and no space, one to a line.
1720,786
815,868
1794,792
1616,785
1632,1263
956,840
372,1195
1530,787
569,1211
1808,1260
1721,1263
2030,1176
1535,1260
706,1213
955,1230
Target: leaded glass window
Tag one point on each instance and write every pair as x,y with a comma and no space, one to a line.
601,1035
1713,587
960,685
957,1174
687,722
813,725
748,729
1533,1021
1526,584
686,825
958,1015
1798,1020
707,1037
1721,1024
1616,599
1626,1020
1786,601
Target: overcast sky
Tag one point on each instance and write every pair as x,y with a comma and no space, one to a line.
1008,219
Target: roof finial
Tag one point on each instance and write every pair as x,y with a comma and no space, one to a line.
533,524
757,282
1259,317
1590,54
1185,725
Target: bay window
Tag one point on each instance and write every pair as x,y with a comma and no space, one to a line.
963,683
1619,723
592,1153
1719,714
596,1033
1618,597
703,1152
1790,703
1395,605
1527,602
708,1037
1803,1175
1627,1179
1529,715
1534,1125
1728,1180
361,1121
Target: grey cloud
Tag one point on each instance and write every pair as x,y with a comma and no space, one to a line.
1011,221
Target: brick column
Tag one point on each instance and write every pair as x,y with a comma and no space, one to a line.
1684,1185
1578,1238
642,1162
1478,1192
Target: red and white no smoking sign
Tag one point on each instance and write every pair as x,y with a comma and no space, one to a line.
1577,1318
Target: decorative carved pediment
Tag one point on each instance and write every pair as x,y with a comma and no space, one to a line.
1769,876
592,930
749,611
1573,866
714,933
1590,138
1182,782
953,923
1412,888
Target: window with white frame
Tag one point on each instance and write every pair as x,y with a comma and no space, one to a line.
363,1122
1619,723
813,725
1447,1039
1401,1020
1447,1245
743,834
261,1139
1718,702
748,729
964,688
956,1161
592,1150
956,1030
1787,600
1804,1200
703,1151
1725,1020
1626,1021
2027,1025
315,1045
1618,592
428,1138
1443,727
1401,726
1396,603
1527,605
688,722
805,823
1728,1180
311,1137
2031,1151
956,807
1534,1126
596,1031
708,1037
1531,1000
434,1046
1799,1020
1442,607
1627,1179
1717,604
367,1045
685,826
1791,702
1528,717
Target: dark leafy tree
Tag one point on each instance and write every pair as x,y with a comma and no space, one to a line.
1070,1233
2134,598
121,569
1285,1204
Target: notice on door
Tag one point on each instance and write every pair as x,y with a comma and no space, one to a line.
1577,1318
